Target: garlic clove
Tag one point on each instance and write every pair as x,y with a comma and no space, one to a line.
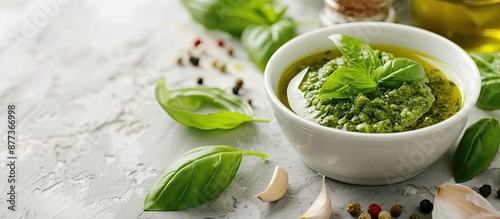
485,216
321,208
277,187
457,201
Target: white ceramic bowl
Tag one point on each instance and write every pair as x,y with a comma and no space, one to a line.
368,158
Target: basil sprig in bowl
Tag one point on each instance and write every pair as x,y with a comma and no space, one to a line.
372,158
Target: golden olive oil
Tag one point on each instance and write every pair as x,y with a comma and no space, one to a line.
472,24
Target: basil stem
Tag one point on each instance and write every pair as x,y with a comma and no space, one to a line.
476,149
196,177
204,108
489,67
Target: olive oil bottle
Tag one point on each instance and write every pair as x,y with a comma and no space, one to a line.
472,24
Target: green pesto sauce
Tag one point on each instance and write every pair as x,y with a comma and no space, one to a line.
408,107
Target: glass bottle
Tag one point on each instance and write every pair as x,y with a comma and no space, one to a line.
472,24
344,11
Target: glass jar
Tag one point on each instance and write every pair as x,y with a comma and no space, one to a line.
472,24
344,11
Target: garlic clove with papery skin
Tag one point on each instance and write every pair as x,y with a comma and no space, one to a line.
321,208
460,202
277,187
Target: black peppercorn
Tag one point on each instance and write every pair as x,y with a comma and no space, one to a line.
194,60
485,190
200,81
426,206
236,90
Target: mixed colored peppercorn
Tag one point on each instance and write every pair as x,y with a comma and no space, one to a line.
374,211
426,206
485,190
396,210
197,52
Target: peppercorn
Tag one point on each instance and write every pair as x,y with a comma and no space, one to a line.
249,101
414,216
197,42
426,206
200,81
365,216
236,90
194,60
214,63
238,67
498,193
353,208
179,60
396,210
239,83
485,190
384,215
230,51
374,210
220,43
222,68
201,50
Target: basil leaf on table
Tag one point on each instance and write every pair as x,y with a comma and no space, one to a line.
345,82
196,177
357,53
233,16
476,149
489,67
204,108
261,41
399,70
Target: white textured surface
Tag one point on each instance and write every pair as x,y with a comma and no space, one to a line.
92,139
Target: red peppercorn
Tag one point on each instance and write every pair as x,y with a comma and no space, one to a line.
220,43
374,210
197,42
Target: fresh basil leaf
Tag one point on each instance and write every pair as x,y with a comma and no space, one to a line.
357,54
204,108
345,82
476,149
196,177
233,16
489,67
399,70
261,41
